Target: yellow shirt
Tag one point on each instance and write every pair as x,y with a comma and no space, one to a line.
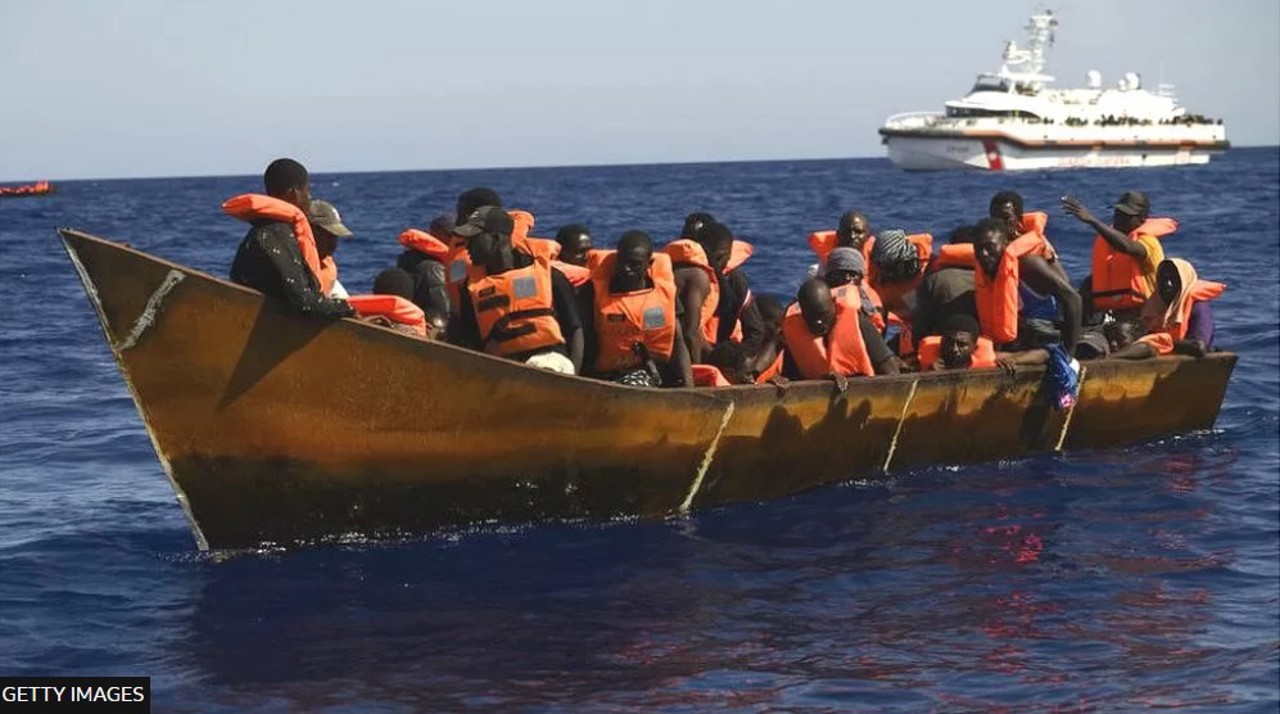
1155,256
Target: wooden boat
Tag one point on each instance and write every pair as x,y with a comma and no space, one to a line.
274,428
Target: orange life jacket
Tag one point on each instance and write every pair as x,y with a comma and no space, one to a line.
1201,291
1117,282
984,353
841,351
252,207
690,252
576,274
328,274
738,254
425,243
641,317
823,242
515,310
1035,222
458,261
705,375
997,297
954,255
392,307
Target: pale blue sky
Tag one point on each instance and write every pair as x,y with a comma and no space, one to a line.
151,88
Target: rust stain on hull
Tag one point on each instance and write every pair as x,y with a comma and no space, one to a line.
279,429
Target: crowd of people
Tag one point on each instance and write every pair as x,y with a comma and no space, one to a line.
994,295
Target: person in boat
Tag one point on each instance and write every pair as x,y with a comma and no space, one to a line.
960,346
457,261
694,224
895,270
736,317
766,363
1007,206
390,304
575,244
829,337
846,267
697,293
424,256
853,231
1125,255
278,256
1022,301
947,287
1177,315
517,309
327,227
635,336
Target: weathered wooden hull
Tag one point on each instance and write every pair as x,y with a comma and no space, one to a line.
274,428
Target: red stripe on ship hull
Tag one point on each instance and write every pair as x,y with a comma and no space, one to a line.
995,162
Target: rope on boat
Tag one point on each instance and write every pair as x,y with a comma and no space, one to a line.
902,418
148,316
1066,422
706,461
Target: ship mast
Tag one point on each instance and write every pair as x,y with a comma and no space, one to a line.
1026,65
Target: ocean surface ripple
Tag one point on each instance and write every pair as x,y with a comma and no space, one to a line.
1135,578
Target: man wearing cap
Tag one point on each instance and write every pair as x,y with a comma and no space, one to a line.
424,256
327,226
1125,253
488,232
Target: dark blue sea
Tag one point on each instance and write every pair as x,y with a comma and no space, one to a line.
1130,579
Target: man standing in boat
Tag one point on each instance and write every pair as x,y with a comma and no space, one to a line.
278,256
1126,254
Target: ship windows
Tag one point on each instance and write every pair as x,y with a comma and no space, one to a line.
991,84
972,113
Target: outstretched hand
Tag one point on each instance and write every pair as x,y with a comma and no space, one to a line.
1006,362
841,381
1074,207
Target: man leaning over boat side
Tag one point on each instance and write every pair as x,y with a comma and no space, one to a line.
824,331
947,287
847,268
1177,316
278,256
1022,302
635,338
1125,255
522,310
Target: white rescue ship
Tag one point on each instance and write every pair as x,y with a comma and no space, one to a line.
1014,120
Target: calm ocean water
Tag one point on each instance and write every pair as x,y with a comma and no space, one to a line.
1144,577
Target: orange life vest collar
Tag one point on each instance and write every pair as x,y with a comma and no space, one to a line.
252,207
954,255
392,307
425,243
705,375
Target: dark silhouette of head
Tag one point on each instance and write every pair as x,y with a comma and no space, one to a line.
959,338
717,241
1131,210
733,361
575,243
694,223
962,234
474,198
854,230
816,306
991,237
845,266
442,226
490,247
288,181
635,252
1007,206
1168,281
394,281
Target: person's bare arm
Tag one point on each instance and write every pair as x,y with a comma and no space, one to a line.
1011,361
680,356
1137,350
1117,240
693,287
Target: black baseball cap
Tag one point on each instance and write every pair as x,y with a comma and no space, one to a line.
486,219
1133,203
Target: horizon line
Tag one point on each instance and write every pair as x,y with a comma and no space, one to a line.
515,167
